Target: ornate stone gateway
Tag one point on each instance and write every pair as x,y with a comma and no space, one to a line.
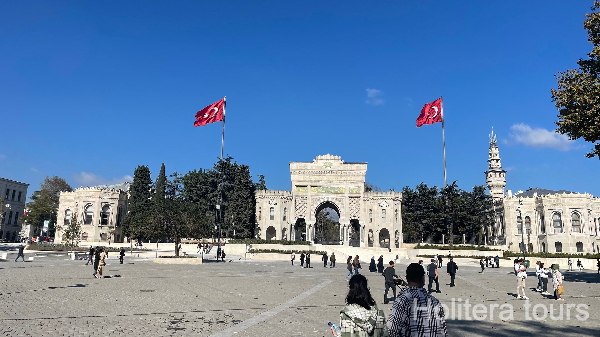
366,218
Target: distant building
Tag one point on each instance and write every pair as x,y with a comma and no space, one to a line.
367,219
14,194
540,220
100,211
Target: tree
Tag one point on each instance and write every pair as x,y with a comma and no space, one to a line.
44,204
371,188
326,229
577,97
72,232
138,205
154,228
261,185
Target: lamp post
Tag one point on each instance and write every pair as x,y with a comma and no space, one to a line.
4,211
522,229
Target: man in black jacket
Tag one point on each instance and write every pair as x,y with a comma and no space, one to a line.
451,268
389,273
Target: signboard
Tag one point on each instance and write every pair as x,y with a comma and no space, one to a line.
46,224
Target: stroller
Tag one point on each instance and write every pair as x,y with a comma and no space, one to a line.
400,284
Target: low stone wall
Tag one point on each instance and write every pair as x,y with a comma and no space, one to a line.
271,257
177,260
444,253
563,262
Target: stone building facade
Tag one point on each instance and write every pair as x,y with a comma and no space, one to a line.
100,211
366,218
14,196
541,220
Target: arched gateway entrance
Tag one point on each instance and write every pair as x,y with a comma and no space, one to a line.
329,184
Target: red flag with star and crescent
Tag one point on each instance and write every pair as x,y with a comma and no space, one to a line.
431,113
210,114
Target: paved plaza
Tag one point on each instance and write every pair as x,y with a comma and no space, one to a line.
54,296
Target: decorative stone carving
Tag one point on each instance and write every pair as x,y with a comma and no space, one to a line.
301,207
354,204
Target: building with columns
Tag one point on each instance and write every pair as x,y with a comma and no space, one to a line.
540,220
366,219
14,196
100,211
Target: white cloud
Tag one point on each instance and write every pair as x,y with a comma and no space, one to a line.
35,170
90,179
539,138
2,156
374,97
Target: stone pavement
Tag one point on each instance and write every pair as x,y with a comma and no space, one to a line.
53,296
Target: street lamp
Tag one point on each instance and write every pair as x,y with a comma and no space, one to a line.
6,206
522,229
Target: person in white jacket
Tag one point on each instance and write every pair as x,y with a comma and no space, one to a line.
521,272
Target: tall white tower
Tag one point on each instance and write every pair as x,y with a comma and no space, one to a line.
495,175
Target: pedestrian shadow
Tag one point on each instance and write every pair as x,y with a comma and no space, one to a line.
581,277
510,329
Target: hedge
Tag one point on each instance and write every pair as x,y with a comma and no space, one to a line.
281,251
552,255
466,257
63,247
427,246
261,241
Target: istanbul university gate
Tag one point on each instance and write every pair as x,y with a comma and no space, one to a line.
366,219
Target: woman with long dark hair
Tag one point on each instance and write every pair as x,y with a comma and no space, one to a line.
361,317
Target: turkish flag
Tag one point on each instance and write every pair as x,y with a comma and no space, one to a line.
431,113
210,114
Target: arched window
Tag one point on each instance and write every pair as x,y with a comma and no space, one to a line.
259,213
104,215
527,225
272,213
396,216
543,247
370,215
557,223
89,214
383,213
576,222
67,217
285,214
558,246
579,246
519,224
119,216
542,225
596,227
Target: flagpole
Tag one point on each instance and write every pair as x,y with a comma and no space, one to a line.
443,138
221,184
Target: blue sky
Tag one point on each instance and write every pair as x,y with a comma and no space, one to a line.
90,90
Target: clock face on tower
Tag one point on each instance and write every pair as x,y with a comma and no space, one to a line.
383,204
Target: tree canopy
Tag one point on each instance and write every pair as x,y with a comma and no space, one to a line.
577,96
44,204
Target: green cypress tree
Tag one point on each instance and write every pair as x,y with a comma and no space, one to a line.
138,204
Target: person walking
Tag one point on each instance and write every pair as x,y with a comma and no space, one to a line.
21,254
424,267
307,259
440,261
570,263
538,274
293,258
451,269
436,259
433,277
544,277
97,252
218,252
324,258
521,272
361,317
598,265
380,264
579,265
389,274
415,312
121,255
332,260
557,282
481,265
350,267
90,256
302,257
356,265
223,254
497,261
101,264
372,265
